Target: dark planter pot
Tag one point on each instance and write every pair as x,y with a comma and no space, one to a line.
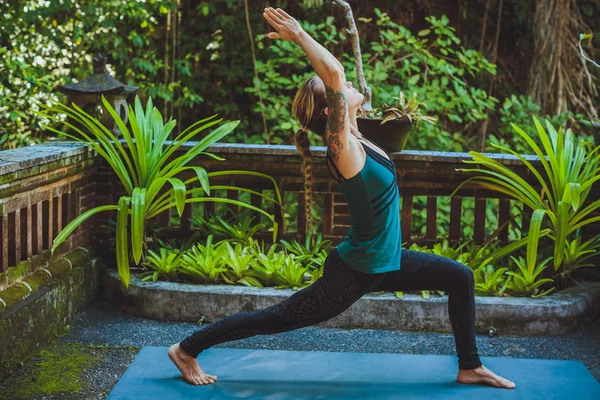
390,136
596,133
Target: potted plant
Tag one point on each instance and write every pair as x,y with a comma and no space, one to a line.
595,122
387,126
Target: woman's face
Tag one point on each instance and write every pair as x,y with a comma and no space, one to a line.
353,97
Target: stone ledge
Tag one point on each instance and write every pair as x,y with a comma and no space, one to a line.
549,315
33,321
19,282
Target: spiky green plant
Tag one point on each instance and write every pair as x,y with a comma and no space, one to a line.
144,167
313,255
569,171
240,260
292,273
166,264
405,109
205,263
525,279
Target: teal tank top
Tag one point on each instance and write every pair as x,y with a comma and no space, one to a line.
374,241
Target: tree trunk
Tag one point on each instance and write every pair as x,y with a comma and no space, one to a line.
559,79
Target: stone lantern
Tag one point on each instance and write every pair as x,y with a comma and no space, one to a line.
87,94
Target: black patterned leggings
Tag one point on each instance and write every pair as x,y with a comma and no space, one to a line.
341,286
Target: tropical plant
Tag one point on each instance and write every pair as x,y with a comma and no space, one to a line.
487,280
526,281
143,168
291,274
240,260
402,110
312,255
235,227
204,263
172,243
570,170
482,260
164,265
266,265
576,253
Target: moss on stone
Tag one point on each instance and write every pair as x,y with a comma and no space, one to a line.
21,269
78,256
59,371
14,294
59,267
40,260
38,280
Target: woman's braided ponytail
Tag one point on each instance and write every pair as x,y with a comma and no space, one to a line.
303,146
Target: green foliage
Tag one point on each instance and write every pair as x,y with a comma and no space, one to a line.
312,255
405,109
526,280
230,227
204,263
431,64
165,265
576,253
144,168
239,261
267,265
292,273
569,171
434,65
48,45
484,260
518,109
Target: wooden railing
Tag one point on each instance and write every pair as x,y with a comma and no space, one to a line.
44,187
432,175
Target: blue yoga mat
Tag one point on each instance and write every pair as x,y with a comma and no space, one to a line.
282,375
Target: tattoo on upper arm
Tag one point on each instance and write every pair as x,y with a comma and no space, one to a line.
336,101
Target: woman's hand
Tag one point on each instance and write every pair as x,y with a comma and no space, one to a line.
286,26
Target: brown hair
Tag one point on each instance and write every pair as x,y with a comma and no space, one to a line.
309,109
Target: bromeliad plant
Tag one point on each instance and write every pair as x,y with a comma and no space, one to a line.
240,260
405,109
165,265
312,256
205,263
143,165
569,171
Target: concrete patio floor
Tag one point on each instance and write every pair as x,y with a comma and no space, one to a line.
87,361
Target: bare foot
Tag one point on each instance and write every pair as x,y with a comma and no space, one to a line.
188,366
483,375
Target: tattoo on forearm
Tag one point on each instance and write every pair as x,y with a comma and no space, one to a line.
336,101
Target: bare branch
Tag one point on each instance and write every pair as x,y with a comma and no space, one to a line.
360,75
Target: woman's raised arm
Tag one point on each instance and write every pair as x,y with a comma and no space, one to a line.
328,68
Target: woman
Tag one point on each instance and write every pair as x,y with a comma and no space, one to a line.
368,259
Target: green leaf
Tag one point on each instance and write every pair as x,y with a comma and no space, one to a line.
122,250
180,193
138,211
203,178
71,226
414,79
